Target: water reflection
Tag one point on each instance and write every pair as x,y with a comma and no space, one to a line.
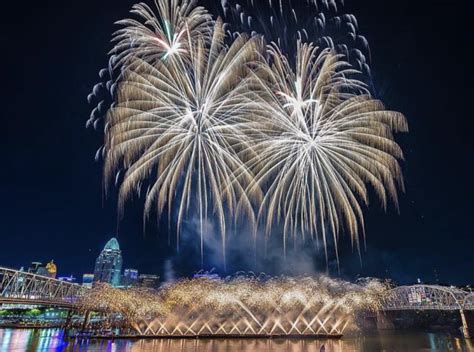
53,340
32,340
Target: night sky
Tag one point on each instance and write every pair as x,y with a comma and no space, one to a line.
51,199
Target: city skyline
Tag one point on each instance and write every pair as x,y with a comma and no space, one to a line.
64,207
108,269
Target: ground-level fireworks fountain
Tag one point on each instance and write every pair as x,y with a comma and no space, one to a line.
239,307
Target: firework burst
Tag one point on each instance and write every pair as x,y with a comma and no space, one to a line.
220,124
178,121
159,34
322,138
285,23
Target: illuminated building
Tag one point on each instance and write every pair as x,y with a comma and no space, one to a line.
70,279
108,265
130,277
50,270
87,280
148,281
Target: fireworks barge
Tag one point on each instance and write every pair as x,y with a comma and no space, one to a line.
235,308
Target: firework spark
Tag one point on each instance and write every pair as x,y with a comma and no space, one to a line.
159,35
240,306
322,138
213,123
179,120
321,22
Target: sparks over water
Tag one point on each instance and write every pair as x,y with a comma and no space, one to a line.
241,305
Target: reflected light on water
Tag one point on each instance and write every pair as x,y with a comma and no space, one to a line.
20,340
32,340
242,345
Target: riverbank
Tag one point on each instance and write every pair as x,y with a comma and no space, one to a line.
31,325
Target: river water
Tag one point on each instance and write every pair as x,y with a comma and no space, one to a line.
19,340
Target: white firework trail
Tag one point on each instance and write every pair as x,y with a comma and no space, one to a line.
321,139
215,123
177,123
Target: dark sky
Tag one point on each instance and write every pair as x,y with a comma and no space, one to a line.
51,203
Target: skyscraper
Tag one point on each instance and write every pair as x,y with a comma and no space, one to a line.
51,269
108,265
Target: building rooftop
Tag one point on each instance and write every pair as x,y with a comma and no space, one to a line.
112,244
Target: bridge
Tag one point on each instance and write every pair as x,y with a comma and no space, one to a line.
431,298
19,287
428,297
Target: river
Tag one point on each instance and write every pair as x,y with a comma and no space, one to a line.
19,340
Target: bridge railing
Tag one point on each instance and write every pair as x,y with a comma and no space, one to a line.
19,286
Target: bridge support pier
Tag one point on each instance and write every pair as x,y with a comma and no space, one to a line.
86,320
383,322
465,327
68,322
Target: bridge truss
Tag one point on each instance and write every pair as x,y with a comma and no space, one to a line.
19,287
428,297
469,302
431,297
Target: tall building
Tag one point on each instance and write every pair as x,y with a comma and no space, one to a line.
52,269
108,265
129,278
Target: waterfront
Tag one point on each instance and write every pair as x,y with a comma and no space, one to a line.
19,340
